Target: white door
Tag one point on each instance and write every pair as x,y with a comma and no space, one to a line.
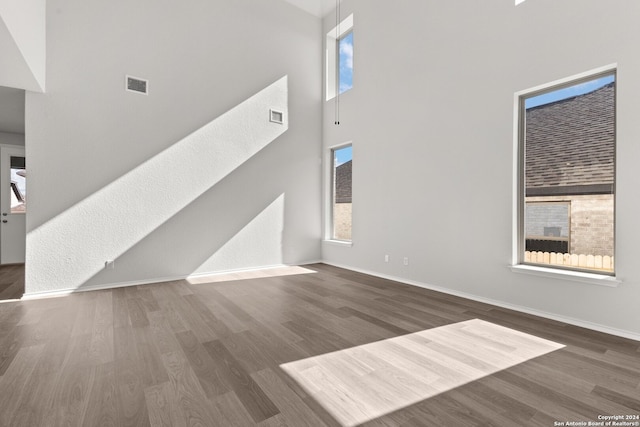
13,206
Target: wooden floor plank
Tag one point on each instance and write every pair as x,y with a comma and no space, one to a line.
137,314
33,409
186,398
253,398
70,399
293,408
212,381
11,282
15,379
629,401
159,400
103,408
230,411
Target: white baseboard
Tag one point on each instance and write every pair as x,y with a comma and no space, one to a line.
569,320
69,291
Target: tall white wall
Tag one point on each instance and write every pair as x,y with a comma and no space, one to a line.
192,178
431,117
23,44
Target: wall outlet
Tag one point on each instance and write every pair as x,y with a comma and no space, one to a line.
110,264
386,258
405,261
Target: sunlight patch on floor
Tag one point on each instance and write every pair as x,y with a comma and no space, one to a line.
362,383
249,274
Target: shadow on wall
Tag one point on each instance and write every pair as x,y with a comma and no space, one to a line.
119,216
220,237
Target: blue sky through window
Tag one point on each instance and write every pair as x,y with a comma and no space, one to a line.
343,155
568,92
345,61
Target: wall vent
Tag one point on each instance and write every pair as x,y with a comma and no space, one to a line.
276,116
137,85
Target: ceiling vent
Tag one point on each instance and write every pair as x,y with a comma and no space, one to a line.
137,85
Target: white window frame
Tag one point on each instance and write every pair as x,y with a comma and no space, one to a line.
518,265
329,195
332,60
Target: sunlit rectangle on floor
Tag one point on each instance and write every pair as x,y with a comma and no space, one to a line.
249,274
362,383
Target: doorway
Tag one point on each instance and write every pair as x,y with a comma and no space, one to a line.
13,205
13,192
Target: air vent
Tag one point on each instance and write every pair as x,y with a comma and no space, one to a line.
276,116
137,85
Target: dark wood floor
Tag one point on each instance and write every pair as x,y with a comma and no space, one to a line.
209,354
11,281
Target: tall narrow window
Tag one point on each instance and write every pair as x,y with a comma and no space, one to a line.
339,59
341,174
345,63
567,175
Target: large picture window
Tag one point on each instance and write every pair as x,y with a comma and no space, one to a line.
567,175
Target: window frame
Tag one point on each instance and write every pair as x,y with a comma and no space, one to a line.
519,229
332,56
331,195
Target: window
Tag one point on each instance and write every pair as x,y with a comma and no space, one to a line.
339,58
566,216
345,63
341,178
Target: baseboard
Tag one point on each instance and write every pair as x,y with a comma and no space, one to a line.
69,291
569,320
523,309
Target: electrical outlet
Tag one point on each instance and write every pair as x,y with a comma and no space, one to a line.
406,261
110,264
386,258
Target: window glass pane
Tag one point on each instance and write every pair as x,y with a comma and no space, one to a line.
569,176
341,203
345,61
18,185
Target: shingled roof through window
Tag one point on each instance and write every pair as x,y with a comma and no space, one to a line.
570,145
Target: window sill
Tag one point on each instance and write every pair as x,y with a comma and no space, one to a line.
576,276
344,243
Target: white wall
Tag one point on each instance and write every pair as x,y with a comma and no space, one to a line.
431,117
192,178
11,138
23,44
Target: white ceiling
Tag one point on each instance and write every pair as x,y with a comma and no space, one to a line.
11,110
319,8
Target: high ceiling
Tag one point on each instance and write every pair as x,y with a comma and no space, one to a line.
319,8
